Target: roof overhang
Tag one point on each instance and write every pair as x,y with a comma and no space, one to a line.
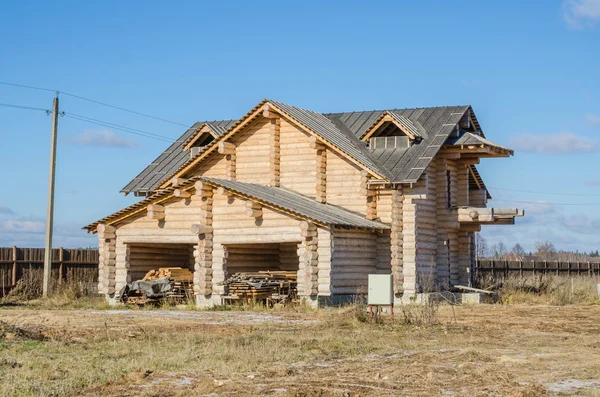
252,115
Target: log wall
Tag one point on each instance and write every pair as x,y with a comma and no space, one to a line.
344,181
252,153
354,257
146,257
298,161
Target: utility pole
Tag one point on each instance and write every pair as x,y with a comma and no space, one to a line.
50,211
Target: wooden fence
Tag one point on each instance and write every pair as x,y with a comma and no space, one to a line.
503,268
68,265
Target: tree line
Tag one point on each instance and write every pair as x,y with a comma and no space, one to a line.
544,251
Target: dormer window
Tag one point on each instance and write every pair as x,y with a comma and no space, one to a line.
393,130
196,143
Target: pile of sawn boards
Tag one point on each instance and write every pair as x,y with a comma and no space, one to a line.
275,286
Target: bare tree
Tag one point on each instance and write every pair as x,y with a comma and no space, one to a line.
482,247
545,250
518,252
499,250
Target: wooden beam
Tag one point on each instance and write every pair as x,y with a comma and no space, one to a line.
181,193
152,215
175,181
154,208
226,147
197,228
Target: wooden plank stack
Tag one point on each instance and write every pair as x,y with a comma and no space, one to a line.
173,273
277,286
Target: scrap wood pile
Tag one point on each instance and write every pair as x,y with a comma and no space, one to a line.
173,283
274,286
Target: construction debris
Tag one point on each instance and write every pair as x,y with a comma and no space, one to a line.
268,286
172,283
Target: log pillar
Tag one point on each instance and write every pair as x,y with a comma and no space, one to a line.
203,264
308,282
275,148
464,262
107,262
396,240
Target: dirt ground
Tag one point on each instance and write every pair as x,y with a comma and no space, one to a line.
483,350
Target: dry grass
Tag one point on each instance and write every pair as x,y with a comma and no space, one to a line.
544,289
487,350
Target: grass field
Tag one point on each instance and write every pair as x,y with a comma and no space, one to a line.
478,350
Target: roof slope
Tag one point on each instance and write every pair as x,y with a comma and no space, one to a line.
170,159
336,133
325,214
406,165
342,130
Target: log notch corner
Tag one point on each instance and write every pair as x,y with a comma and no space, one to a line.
107,266
203,250
274,144
308,280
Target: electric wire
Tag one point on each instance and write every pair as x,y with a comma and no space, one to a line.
94,101
547,203
8,105
555,193
85,118
124,129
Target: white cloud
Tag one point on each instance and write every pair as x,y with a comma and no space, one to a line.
5,210
22,226
561,143
100,138
580,14
593,119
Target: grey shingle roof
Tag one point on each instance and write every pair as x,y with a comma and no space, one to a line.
407,165
343,130
468,138
170,160
295,203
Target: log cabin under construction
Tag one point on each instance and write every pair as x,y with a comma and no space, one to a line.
334,197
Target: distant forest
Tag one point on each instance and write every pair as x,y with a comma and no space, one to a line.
544,251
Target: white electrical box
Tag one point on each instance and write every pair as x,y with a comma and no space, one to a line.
381,291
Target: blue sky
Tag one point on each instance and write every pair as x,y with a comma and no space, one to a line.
529,69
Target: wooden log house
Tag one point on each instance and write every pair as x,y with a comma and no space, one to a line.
334,197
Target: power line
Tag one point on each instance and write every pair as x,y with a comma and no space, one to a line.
555,193
123,109
8,105
114,126
94,101
547,203
85,118
28,86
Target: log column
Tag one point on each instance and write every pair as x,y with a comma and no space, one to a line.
228,149
325,252
203,272
396,240
122,276
308,281
275,148
107,259
370,194
442,260
464,262
321,170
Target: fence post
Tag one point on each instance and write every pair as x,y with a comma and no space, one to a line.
14,267
60,265
520,268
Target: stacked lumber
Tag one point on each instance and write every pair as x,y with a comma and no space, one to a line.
273,285
173,273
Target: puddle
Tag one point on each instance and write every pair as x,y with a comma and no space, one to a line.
572,384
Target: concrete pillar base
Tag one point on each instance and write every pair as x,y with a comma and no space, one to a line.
208,301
